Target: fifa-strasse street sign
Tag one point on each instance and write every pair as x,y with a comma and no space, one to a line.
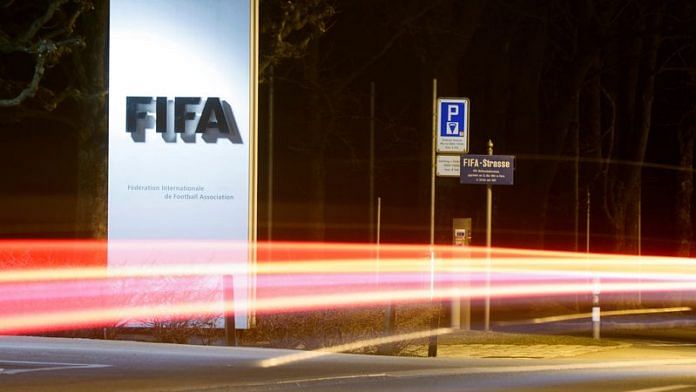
487,169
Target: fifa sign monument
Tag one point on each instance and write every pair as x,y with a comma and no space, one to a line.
182,151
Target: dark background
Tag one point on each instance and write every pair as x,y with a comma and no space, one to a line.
549,81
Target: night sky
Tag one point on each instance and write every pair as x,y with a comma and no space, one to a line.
611,82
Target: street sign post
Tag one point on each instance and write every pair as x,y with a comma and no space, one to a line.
450,136
487,169
453,125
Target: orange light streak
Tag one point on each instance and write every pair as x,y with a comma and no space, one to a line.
606,313
61,319
673,268
46,293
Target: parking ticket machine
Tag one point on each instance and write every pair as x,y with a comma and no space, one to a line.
461,231
461,306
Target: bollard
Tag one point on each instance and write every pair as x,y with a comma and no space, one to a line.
228,297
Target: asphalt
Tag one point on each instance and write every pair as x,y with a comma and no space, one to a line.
51,364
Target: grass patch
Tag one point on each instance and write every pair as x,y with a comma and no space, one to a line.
682,334
480,337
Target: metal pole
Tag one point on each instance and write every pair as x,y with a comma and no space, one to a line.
432,341
271,167
587,223
271,98
576,195
640,223
489,229
576,201
432,166
389,314
371,196
377,248
640,248
390,310
379,222
596,310
228,295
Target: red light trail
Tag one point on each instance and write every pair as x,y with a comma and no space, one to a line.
57,285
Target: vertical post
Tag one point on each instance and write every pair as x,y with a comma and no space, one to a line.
228,298
432,341
378,240
576,191
379,235
434,325
576,202
587,223
455,305
371,195
596,311
640,248
389,322
271,164
271,98
489,230
433,164
379,223
390,310
640,221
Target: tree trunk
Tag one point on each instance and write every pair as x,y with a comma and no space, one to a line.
634,90
92,139
563,95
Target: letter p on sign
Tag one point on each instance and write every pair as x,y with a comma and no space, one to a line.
452,110
452,123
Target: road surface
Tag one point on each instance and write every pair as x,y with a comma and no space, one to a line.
50,364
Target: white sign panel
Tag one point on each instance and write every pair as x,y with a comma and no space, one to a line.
448,165
453,125
181,143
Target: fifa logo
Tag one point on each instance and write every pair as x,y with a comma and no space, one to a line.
215,119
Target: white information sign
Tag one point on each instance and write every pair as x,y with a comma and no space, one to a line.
453,125
181,138
448,165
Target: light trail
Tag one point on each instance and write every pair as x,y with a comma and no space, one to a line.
48,285
303,356
606,313
160,305
675,268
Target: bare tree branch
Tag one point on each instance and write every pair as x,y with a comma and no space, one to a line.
70,25
41,21
45,49
387,46
299,23
30,90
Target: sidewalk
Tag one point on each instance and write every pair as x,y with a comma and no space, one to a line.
538,351
478,344
636,332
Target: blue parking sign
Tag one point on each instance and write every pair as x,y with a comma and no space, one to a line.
452,119
453,125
